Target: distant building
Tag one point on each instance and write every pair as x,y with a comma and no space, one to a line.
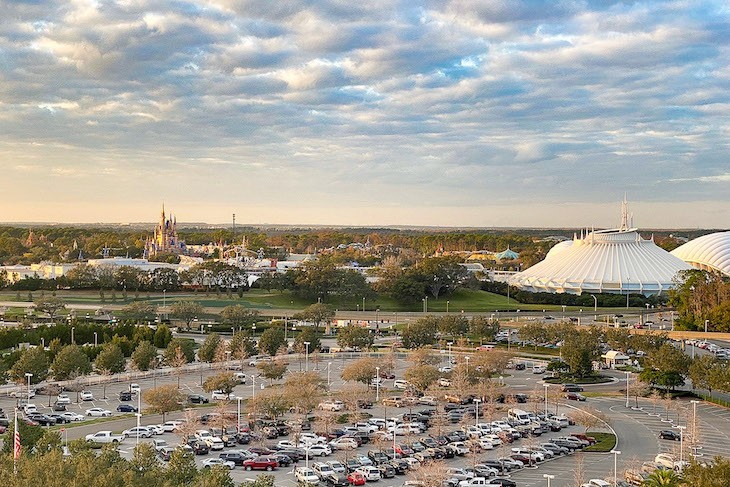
166,239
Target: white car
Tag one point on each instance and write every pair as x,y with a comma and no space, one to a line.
211,462
306,475
284,444
444,382
427,400
222,396
98,412
669,461
137,432
485,443
371,474
412,463
73,416
311,438
215,443
459,448
596,483
171,426
400,384
30,408
337,466
494,439
63,399
86,396
134,388
459,474
331,406
156,429
343,443
365,427
319,450
23,393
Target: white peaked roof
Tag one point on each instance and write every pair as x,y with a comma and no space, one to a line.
709,252
604,261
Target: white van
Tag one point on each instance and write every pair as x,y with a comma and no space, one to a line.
240,377
400,384
518,415
539,369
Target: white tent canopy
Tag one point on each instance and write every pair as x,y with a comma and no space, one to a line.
709,252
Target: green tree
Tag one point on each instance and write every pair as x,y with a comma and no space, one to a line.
354,337
308,334
272,370
186,311
71,362
453,325
225,382
272,339
422,376
714,474
164,399
662,478
443,274
239,316
316,313
110,360
144,356
579,350
185,345
701,371
483,328
242,346
207,351
139,311
260,481
181,469
29,436
33,361
420,333
217,476
163,336
50,305
666,367
271,403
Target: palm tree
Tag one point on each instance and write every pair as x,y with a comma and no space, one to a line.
662,478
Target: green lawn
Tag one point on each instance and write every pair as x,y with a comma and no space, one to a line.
605,442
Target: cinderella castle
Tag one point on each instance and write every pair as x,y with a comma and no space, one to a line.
166,240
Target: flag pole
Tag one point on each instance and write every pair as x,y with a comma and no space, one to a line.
16,444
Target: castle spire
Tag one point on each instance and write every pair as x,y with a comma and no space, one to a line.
624,215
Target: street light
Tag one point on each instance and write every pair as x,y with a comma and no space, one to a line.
627,388
28,376
95,340
72,335
363,304
253,386
238,415
306,357
476,411
546,399
329,365
681,447
616,453
139,412
447,307
450,343
548,477
253,330
377,384
706,323
466,357
694,420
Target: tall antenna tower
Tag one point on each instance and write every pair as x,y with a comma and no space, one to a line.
234,223
624,215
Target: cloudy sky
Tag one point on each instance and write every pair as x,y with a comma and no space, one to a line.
450,112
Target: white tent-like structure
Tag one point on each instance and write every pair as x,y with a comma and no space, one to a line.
606,261
708,252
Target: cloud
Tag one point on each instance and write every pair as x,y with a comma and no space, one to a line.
381,104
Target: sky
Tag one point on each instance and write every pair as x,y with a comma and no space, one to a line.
415,112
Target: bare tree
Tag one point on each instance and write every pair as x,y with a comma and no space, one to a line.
190,424
579,469
431,474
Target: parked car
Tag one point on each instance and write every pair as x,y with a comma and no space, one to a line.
125,396
126,408
98,412
669,435
212,462
86,396
63,399
137,432
197,399
261,463
571,388
356,478
575,396
306,476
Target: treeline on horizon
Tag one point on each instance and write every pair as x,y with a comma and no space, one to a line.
68,243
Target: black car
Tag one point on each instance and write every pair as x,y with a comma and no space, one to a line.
669,435
520,366
364,404
503,482
500,466
282,459
197,399
59,419
126,408
243,438
42,419
125,396
295,455
364,438
335,479
233,456
386,470
399,466
59,407
377,457
199,447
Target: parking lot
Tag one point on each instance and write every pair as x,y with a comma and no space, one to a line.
637,429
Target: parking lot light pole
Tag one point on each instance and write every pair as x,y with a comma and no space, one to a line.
96,342
627,388
72,335
253,386
238,415
329,366
476,411
548,477
707,322
377,384
616,453
306,357
681,444
28,376
694,420
546,399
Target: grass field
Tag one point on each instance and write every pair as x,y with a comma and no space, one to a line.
463,299
605,442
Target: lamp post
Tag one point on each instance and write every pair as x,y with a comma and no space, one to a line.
546,399
306,356
238,415
95,340
450,343
72,335
706,323
616,453
548,477
694,420
447,307
627,388
476,411
253,386
329,365
377,384
253,330
363,304
681,444
139,412
28,376
233,332
466,357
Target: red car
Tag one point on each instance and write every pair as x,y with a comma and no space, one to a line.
356,478
584,437
260,463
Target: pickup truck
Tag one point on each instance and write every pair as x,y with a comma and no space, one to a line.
104,437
